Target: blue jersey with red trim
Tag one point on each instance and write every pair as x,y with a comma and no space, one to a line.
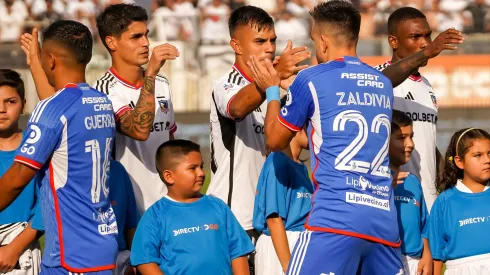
348,105
69,140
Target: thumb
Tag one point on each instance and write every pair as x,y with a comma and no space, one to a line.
289,46
35,34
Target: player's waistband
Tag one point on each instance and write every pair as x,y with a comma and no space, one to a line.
483,259
354,234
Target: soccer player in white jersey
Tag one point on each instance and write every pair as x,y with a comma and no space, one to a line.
141,99
409,32
238,110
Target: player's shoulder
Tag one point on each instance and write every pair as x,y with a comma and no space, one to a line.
53,107
230,80
383,66
215,202
162,78
444,198
105,83
412,182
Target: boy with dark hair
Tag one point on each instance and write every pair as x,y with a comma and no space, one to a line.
68,143
186,232
409,200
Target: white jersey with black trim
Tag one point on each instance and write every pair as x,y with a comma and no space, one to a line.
237,148
416,98
138,157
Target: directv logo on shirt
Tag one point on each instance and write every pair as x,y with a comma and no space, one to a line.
473,220
194,229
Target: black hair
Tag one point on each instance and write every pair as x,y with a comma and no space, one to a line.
341,15
401,15
72,35
12,79
459,145
171,152
399,119
249,15
115,20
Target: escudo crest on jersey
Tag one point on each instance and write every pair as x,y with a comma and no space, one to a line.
163,105
433,98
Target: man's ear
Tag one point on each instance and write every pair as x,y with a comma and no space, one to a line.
325,43
236,46
111,43
168,177
393,42
52,61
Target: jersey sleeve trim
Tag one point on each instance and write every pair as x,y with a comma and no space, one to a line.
228,107
287,124
173,128
29,162
121,111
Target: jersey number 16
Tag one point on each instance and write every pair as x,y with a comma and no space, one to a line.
99,172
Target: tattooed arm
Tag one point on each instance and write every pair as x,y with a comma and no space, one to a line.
399,71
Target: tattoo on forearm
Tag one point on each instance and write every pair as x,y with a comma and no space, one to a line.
399,71
140,119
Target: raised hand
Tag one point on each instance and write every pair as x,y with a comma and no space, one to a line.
446,40
263,73
158,57
289,59
30,46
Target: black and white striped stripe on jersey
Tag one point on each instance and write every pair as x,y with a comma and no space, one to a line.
235,77
103,83
382,66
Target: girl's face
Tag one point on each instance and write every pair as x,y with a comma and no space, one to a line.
476,162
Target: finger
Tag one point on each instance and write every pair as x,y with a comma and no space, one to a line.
258,67
297,50
27,35
169,48
25,43
35,34
451,48
289,46
269,67
276,60
300,57
24,49
454,41
253,67
299,68
403,175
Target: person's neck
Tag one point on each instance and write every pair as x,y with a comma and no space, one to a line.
69,76
131,73
396,58
10,139
185,198
334,53
475,187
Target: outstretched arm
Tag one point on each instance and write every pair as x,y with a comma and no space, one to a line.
400,70
13,182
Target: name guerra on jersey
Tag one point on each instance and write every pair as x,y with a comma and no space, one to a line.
102,120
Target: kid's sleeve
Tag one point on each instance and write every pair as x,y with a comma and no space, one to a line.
437,241
238,241
147,240
424,218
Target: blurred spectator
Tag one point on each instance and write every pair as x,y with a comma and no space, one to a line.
290,27
383,9
12,17
82,11
214,26
479,13
449,14
49,15
39,7
170,21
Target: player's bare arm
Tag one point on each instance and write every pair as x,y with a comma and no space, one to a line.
250,97
137,123
425,263
13,182
279,240
239,266
399,71
277,136
30,46
438,265
150,269
9,254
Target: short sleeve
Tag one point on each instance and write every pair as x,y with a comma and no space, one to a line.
132,214
173,127
424,217
118,102
147,240
299,105
42,135
224,92
437,240
238,241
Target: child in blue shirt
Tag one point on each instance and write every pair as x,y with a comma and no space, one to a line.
459,223
19,245
409,200
186,233
282,203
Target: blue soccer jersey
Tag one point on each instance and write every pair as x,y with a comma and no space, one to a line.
69,140
412,216
285,189
201,237
349,106
123,203
459,224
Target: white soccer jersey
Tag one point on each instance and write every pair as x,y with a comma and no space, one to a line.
138,157
237,148
416,98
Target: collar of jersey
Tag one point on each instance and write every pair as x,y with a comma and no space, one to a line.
125,82
184,204
235,66
416,78
463,188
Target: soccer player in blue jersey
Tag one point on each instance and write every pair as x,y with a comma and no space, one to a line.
409,200
68,144
460,218
19,245
353,224
281,205
186,232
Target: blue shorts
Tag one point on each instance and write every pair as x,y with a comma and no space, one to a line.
334,254
46,270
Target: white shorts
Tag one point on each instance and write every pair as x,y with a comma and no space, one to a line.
410,265
266,260
474,265
122,262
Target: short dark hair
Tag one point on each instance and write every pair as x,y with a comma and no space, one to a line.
401,15
341,15
12,79
170,153
72,35
399,119
115,20
251,16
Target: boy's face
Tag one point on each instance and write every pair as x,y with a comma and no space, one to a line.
250,41
188,177
401,145
11,107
